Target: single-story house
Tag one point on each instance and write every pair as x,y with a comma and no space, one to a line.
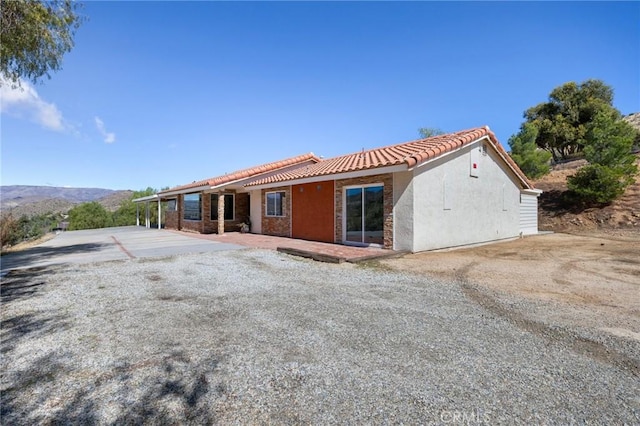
444,191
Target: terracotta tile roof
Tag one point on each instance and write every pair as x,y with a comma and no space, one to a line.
246,173
410,153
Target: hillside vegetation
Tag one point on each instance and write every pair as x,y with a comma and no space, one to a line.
557,213
23,200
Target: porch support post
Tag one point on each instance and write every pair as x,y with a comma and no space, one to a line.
137,214
159,215
220,213
147,221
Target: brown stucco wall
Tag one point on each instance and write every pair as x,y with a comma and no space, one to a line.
279,226
387,181
312,214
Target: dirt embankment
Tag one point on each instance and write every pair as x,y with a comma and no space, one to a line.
556,214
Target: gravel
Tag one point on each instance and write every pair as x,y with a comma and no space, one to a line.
255,336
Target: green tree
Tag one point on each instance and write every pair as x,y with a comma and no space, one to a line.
126,213
90,215
532,160
34,36
564,120
427,132
26,228
611,168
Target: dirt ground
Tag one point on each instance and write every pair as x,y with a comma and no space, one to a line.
590,281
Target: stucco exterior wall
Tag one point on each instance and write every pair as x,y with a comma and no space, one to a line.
452,208
256,211
312,211
403,211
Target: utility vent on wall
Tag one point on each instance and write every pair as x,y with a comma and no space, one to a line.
475,162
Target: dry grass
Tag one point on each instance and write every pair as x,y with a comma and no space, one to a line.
28,244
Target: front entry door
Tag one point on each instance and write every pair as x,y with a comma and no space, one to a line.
364,215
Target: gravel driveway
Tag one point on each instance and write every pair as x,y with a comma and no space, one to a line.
254,336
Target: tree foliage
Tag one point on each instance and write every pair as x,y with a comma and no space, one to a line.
611,167
532,160
564,121
126,213
427,132
90,215
13,231
34,36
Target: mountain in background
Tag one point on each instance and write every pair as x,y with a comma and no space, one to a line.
33,200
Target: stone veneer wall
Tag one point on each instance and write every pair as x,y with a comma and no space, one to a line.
171,220
387,194
278,226
241,213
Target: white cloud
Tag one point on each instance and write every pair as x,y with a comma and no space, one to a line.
25,101
109,137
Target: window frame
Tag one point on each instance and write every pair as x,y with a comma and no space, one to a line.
282,205
363,187
184,202
233,206
173,201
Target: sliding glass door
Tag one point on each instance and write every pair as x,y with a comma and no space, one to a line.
364,215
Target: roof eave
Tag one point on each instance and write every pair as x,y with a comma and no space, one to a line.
184,191
332,176
145,199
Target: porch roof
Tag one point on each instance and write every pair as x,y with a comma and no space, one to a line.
406,155
145,199
241,176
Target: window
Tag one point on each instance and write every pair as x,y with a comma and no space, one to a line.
192,207
229,207
172,205
275,201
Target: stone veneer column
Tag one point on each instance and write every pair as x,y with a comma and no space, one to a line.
220,213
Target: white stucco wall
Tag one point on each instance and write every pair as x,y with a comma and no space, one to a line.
255,213
452,208
403,211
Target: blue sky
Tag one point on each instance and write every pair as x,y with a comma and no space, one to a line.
163,93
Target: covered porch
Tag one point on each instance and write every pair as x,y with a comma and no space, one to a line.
148,201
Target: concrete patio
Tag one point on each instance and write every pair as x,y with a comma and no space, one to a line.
121,243
325,252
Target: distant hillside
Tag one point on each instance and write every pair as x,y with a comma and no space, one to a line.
34,200
633,119
112,201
